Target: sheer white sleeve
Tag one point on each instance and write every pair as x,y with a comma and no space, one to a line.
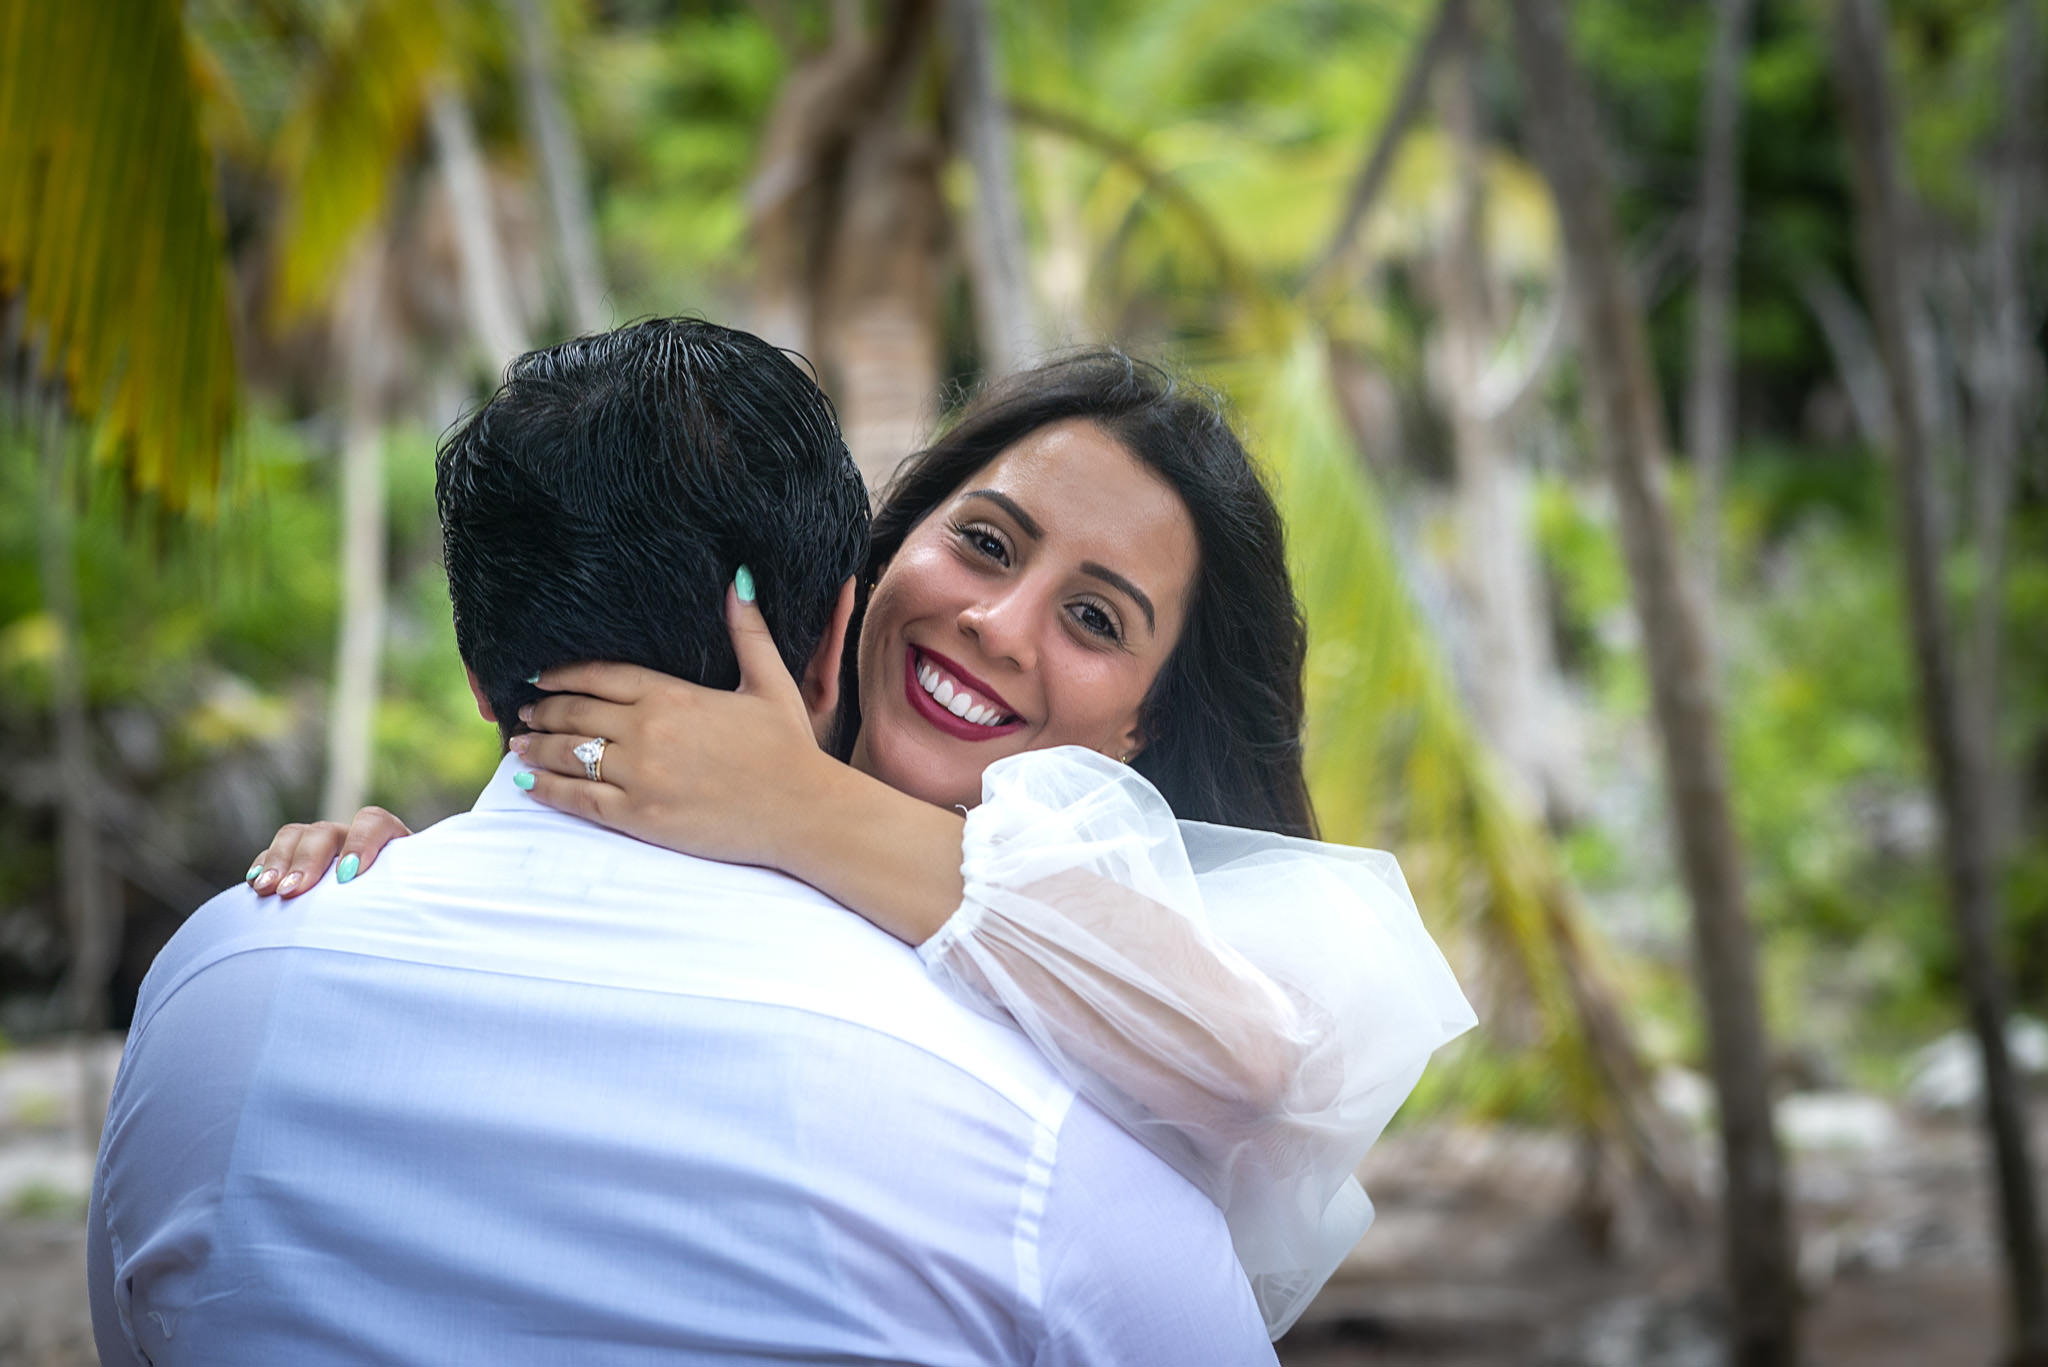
1253,1007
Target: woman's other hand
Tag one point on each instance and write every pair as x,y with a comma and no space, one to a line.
708,772
301,853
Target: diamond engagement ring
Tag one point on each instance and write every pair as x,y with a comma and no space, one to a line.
591,752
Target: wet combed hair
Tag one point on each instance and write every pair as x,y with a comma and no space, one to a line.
597,506
1223,721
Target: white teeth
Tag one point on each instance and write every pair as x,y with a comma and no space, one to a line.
957,700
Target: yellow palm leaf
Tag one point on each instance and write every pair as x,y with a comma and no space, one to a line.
110,236
1394,758
346,137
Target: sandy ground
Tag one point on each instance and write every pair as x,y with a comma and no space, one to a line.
1476,1259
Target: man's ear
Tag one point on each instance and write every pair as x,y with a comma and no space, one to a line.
820,683
483,701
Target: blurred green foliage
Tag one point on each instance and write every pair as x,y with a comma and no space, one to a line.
204,657
207,652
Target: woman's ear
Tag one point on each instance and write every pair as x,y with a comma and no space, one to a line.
1131,743
820,683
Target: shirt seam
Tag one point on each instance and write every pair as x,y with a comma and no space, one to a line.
1033,1197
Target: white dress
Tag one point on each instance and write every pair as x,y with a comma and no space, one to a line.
1254,1007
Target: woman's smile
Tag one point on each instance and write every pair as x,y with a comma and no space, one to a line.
1034,608
953,700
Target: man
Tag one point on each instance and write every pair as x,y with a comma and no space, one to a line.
539,1093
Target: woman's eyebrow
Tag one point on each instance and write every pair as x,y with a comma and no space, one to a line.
1029,525
1112,578
1013,508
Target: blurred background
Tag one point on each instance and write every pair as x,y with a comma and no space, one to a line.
1654,391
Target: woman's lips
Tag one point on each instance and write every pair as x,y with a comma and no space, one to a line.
926,706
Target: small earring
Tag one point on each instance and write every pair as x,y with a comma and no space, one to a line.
1127,757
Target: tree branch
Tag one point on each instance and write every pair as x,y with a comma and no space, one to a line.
1372,174
1236,273
776,18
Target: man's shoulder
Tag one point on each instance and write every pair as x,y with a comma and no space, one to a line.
516,898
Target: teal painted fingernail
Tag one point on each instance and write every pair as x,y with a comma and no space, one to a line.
523,781
743,584
347,869
534,678
254,869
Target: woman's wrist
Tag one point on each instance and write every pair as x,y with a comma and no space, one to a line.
817,802
892,858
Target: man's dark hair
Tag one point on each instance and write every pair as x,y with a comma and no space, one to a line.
597,506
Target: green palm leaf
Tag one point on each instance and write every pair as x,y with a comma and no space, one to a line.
110,237
1394,758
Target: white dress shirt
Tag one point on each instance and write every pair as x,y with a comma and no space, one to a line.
529,1091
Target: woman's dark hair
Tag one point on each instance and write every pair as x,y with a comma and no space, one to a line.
1223,721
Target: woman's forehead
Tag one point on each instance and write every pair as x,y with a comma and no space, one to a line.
1075,478
1080,492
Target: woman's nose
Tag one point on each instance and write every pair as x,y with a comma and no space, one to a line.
1002,627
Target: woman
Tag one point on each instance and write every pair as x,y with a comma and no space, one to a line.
1077,626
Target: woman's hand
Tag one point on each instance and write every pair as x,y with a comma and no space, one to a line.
711,773
300,853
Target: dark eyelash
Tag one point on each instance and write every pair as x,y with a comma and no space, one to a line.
1113,632
975,533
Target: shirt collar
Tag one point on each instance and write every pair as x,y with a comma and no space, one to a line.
501,794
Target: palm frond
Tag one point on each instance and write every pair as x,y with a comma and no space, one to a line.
345,138
111,239
1393,758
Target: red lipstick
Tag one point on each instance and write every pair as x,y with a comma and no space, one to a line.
926,706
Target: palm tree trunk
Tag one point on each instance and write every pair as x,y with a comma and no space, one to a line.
561,164
1491,493
792,200
486,286
1627,424
882,338
845,222
1710,404
2005,401
995,228
359,642
1961,772
880,305
91,915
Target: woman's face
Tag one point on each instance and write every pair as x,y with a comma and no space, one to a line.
1033,608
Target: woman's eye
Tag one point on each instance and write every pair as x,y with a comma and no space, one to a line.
986,542
1096,621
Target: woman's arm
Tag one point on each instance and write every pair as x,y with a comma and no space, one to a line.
1225,1043
890,857
1137,991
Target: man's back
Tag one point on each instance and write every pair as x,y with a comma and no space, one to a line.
532,1092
